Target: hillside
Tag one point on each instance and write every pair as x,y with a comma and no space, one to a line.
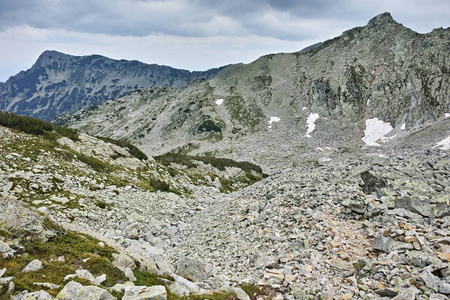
59,83
283,105
321,174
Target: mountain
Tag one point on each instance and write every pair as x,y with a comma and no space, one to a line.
381,80
59,83
352,199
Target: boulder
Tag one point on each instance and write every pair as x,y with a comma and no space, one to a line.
33,266
39,295
74,290
192,268
157,292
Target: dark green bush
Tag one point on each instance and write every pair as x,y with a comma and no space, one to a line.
26,124
219,163
35,126
159,184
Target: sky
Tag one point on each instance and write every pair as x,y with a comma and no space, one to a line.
190,34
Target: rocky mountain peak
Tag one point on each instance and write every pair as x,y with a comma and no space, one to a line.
381,20
59,83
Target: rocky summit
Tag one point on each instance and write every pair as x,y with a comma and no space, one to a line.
59,83
323,174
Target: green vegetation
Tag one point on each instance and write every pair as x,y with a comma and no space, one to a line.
243,112
95,163
34,126
219,163
61,255
250,174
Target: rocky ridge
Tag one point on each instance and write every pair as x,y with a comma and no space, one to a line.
59,83
282,105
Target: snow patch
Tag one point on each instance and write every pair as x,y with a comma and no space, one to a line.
403,126
375,130
444,144
273,119
305,108
219,101
447,115
311,123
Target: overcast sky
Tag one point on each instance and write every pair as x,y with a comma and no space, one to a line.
190,34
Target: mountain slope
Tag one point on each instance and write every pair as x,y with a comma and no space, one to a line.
58,83
283,105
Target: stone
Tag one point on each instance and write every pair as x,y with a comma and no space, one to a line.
122,261
241,294
430,280
75,290
183,287
157,292
87,275
38,295
444,288
192,268
383,243
33,266
421,259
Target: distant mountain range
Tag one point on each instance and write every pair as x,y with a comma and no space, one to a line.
59,83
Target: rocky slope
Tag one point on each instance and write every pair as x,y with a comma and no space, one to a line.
370,78
357,207
348,224
59,83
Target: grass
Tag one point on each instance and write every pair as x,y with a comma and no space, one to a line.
78,250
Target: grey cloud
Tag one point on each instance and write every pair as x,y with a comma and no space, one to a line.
282,19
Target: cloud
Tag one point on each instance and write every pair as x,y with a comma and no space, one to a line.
283,19
190,34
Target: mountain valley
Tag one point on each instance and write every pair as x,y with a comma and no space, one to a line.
320,174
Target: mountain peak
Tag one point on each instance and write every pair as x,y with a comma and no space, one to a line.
381,20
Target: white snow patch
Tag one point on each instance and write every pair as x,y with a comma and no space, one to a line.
444,144
447,115
311,123
403,126
273,119
219,101
375,130
305,108
368,101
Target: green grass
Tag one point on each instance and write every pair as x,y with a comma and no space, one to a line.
74,247
95,163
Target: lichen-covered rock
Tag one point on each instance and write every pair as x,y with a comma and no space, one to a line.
192,268
33,266
74,290
38,295
157,292
18,218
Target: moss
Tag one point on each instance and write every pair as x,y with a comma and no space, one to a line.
252,290
146,279
99,265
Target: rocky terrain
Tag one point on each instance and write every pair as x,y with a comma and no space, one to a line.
59,83
283,105
354,135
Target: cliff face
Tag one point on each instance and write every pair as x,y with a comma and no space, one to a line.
377,81
59,83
